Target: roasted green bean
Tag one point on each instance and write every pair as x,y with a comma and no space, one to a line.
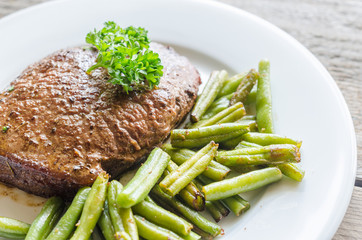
264,139
245,87
66,224
146,177
271,154
215,170
208,95
217,106
230,114
245,144
292,171
191,195
113,189
231,85
190,214
192,236
216,210
105,224
162,217
13,229
46,219
235,203
92,209
243,183
186,172
151,231
264,116
193,138
233,142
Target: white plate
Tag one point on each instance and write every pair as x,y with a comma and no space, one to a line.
307,103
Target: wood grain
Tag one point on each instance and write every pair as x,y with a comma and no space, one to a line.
332,31
351,226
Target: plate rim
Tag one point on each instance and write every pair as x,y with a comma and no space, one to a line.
282,33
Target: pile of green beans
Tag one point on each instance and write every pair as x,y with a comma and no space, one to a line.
189,170
183,178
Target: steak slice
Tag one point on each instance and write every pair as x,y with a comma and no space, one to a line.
65,127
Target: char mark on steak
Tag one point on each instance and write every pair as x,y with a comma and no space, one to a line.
65,126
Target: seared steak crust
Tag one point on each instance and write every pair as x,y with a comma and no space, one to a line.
65,127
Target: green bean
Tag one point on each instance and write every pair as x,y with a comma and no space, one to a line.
245,87
186,172
192,236
150,200
216,210
229,114
251,123
204,235
231,85
191,195
233,117
271,154
231,143
146,177
66,224
193,216
236,204
208,95
264,139
217,106
251,99
105,224
264,115
122,217
162,217
13,229
248,117
248,168
92,209
263,99
292,171
53,222
129,222
151,231
113,189
243,183
46,219
215,170
244,144
193,138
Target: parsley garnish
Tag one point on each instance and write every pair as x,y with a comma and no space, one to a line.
125,55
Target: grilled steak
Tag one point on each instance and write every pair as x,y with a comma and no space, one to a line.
65,127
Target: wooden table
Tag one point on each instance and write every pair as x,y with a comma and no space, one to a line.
332,31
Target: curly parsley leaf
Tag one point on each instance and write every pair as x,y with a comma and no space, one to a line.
126,56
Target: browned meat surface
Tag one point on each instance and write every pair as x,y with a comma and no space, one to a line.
66,126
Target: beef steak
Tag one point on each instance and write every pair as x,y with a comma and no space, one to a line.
65,127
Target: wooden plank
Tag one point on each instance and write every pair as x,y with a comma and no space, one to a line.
351,226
